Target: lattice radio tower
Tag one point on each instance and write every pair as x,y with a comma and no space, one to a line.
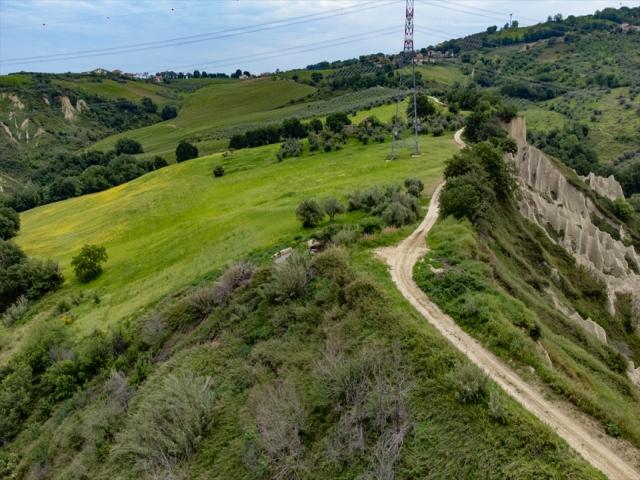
408,54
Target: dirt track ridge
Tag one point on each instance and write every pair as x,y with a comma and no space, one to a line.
579,432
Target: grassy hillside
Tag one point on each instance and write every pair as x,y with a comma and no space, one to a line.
128,89
216,107
178,224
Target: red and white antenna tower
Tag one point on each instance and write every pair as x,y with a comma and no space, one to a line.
408,28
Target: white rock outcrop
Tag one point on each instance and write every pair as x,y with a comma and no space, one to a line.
607,187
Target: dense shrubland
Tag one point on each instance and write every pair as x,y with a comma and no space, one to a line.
299,369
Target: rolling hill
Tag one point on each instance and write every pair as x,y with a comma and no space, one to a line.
238,330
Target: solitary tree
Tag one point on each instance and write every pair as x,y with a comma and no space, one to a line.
309,213
218,171
128,146
87,265
333,207
185,151
168,112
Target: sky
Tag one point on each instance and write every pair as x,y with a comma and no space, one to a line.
257,35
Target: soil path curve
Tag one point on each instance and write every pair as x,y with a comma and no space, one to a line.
579,432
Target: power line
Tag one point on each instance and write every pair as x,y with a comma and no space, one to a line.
178,41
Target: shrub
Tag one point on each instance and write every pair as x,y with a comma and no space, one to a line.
345,236
128,146
185,151
87,265
315,125
469,383
9,223
332,207
235,276
496,409
397,214
622,210
16,311
290,278
158,162
371,225
10,254
168,112
309,213
168,423
148,106
218,171
292,147
414,186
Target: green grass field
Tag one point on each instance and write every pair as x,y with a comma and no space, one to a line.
439,74
173,226
213,107
129,90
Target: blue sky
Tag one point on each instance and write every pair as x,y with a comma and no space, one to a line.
218,30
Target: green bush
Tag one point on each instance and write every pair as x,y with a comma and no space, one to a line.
16,311
218,171
466,196
332,207
87,265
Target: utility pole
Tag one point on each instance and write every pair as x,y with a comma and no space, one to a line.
510,20
408,53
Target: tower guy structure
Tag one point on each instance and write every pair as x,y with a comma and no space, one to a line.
408,55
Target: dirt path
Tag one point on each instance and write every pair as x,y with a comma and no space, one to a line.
576,429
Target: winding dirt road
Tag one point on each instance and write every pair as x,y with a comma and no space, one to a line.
581,433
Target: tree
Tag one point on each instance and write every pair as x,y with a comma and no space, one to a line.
185,151
316,77
514,24
128,146
492,29
237,74
62,188
336,121
87,265
148,105
424,107
333,207
309,213
9,223
94,179
218,171
315,125
168,112
466,196
292,128
634,201
158,162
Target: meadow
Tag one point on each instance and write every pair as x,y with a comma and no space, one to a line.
176,225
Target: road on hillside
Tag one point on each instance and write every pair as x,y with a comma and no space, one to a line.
581,434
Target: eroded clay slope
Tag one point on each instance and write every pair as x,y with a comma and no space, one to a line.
564,211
